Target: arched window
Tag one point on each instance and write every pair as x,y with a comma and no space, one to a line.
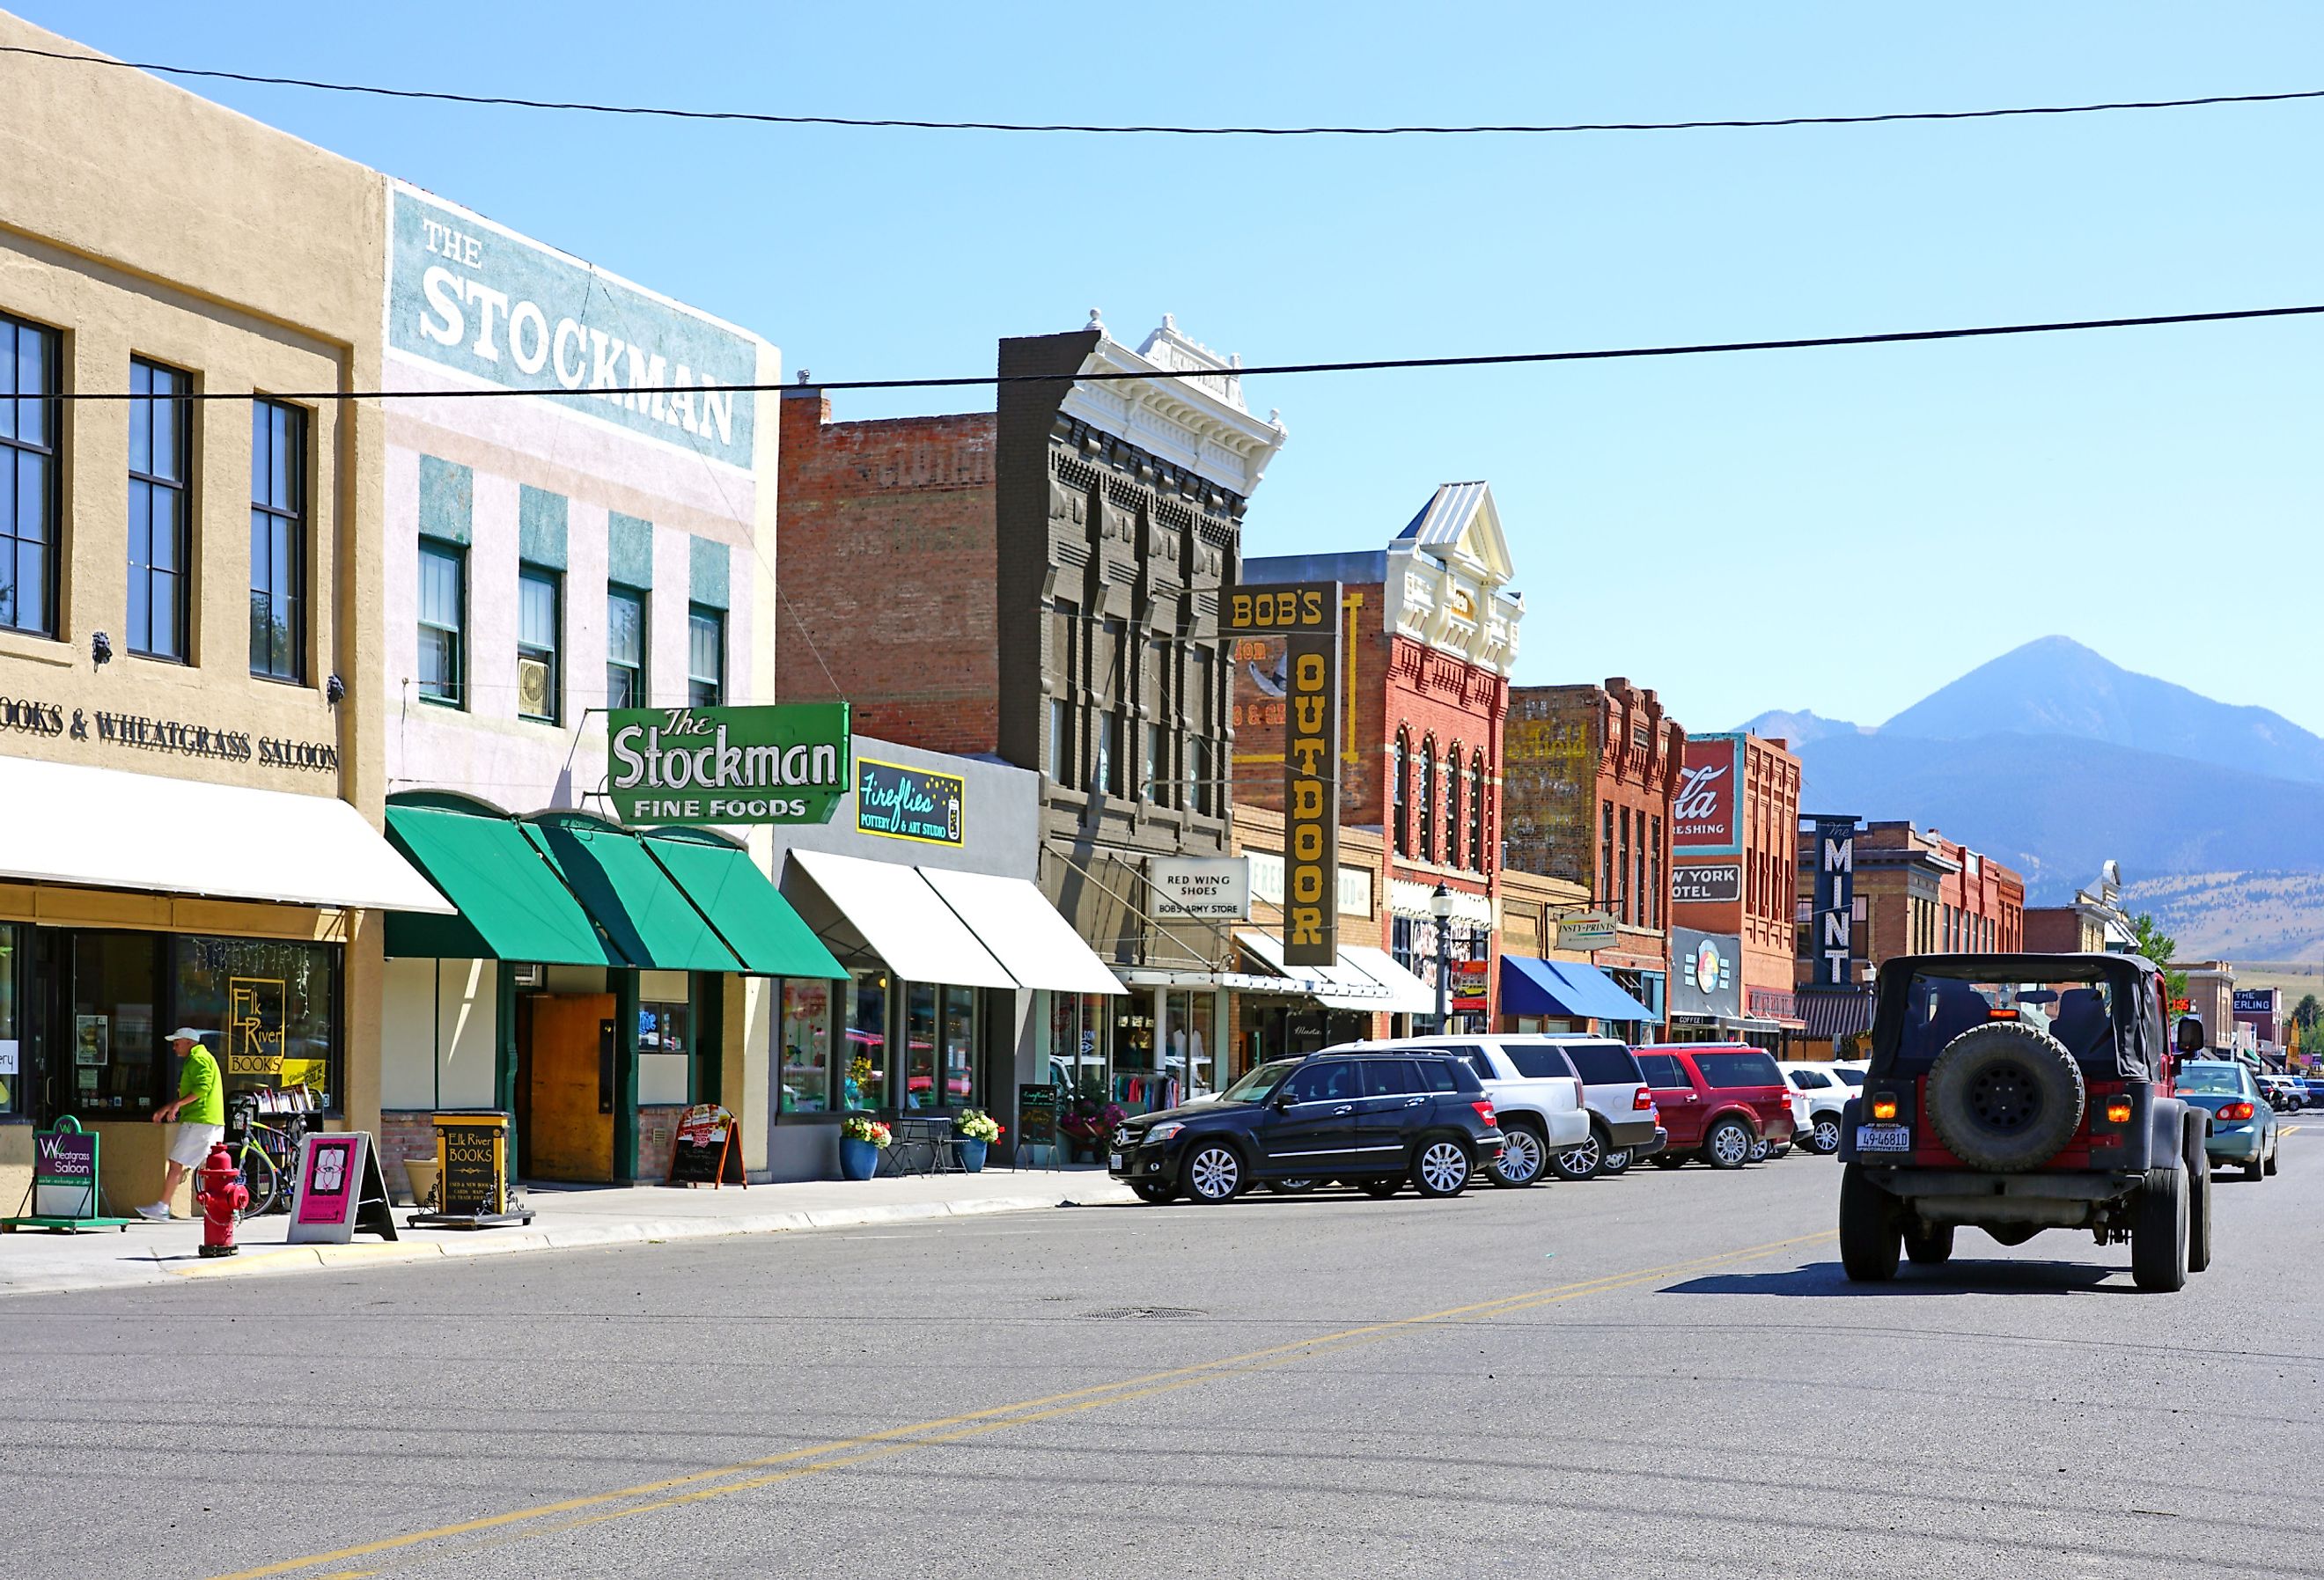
1399,830
1453,822
1477,811
1428,801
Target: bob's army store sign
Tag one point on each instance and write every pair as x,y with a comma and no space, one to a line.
1306,614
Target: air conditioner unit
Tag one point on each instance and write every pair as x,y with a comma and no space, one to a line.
533,977
533,688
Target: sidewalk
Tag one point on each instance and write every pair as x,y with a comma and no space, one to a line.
565,1217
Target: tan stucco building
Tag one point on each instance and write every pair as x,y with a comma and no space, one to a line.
190,627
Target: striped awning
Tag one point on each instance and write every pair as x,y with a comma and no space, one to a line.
1834,1014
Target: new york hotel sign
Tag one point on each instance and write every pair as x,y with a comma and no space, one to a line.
1306,614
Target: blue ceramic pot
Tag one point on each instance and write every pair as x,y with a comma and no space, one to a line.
857,1159
971,1155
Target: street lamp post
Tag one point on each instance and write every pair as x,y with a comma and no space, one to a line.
1440,906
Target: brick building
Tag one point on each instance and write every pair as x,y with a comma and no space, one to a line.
1920,894
1040,584
1429,638
1589,775
1734,853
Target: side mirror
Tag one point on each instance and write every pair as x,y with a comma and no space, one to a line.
2192,1039
1280,1101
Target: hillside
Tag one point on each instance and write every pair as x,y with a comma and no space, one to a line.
2238,916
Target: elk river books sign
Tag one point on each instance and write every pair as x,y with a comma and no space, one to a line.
781,762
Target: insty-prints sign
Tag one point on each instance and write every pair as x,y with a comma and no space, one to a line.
468,295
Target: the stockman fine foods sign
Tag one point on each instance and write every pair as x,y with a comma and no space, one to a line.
465,294
781,763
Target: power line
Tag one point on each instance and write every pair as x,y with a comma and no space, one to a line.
898,123
1376,365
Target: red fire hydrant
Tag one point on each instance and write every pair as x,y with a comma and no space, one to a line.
218,1186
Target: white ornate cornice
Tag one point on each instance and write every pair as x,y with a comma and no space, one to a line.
1448,580
1199,423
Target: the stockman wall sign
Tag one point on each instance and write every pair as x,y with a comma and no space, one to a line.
779,764
467,294
1707,810
1307,614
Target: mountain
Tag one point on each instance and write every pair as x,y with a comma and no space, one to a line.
1797,729
2238,916
2057,687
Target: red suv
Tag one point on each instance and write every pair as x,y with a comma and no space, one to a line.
1718,1100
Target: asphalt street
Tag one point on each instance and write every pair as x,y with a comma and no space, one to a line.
1663,1375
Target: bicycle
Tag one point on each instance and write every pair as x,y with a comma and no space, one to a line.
266,1164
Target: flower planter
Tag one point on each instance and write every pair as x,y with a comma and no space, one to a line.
857,1159
971,1155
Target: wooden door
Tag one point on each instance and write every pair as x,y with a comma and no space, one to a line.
572,1131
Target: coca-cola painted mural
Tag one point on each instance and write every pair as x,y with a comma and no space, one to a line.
1705,820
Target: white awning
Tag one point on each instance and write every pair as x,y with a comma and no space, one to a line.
1411,900
905,923
1407,994
1335,987
1015,920
108,829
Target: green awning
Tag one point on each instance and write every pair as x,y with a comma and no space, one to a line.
749,911
512,904
652,923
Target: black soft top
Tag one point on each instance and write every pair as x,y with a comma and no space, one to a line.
2136,1038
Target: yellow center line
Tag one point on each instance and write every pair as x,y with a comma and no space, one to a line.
894,1440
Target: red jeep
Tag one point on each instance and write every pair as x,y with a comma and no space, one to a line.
1718,1101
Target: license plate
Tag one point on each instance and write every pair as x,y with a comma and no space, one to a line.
1884,1137
1114,1159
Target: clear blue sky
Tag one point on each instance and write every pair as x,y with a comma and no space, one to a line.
1839,529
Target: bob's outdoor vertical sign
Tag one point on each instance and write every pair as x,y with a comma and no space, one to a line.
784,762
1308,616
1707,811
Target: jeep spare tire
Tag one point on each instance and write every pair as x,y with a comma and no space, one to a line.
2005,1096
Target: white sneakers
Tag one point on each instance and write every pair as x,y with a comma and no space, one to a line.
159,1212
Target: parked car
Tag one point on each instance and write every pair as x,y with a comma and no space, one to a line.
2243,1126
1718,1100
1826,1092
1537,1095
2315,1085
1624,1126
1378,1120
2018,1093
2285,1094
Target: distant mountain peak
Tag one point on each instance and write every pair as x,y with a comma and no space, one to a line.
1797,729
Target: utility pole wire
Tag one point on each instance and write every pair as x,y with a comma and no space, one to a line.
1378,365
897,122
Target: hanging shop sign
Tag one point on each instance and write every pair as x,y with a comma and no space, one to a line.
900,802
1308,616
1592,929
337,1191
704,1152
1831,937
782,762
1712,884
2256,1001
1211,887
1704,980
1706,811
500,308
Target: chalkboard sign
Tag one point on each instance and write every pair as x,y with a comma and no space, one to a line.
1037,1117
705,1152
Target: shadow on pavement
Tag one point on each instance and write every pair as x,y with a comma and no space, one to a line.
1958,1277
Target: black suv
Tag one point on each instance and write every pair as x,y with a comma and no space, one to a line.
2018,1093
1375,1120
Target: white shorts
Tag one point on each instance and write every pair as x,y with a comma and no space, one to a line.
193,1143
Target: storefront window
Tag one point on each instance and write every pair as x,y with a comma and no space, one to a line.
1075,1039
116,1062
272,1006
807,1045
959,1047
920,1045
1190,1040
1136,1076
665,1039
867,1042
11,1062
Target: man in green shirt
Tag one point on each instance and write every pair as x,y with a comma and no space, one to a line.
200,1113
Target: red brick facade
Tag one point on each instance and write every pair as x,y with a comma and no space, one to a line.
1762,915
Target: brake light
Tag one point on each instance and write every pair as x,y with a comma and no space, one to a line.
1884,1107
1485,1112
2235,1111
1643,1100
2117,1111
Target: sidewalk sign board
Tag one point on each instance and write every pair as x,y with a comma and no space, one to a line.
472,1185
339,1191
705,1152
64,1193
1037,1121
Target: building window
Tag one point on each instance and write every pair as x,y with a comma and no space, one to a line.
1427,797
1452,821
536,643
1157,674
1158,765
1398,779
625,647
1199,709
1605,851
864,1083
960,1083
1622,867
1201,768
277,541
1477,811
665,1050
706,657
443,623
1656,895
160,425
1106,770
806,1073
28,477
12,1089
1061,741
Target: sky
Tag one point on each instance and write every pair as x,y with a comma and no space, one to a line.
1840,529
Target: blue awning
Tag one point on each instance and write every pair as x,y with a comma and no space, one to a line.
1568,989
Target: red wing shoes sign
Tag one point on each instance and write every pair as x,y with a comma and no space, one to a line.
778,763
1704,819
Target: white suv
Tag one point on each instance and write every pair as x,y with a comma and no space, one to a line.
1826,1089
1537,1096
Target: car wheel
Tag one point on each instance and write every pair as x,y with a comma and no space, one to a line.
1671,1159
1616,1159
2005,1096
1524,1153
1291,1187
1380,1189
1930,1247
1154,1192
1869,1239
1728,1144
1824,1139
1214,1173
2257,1167
1581,1161
1780,1150
2158,1230
2272,1153
1441,1169
1760,1147
2199,1193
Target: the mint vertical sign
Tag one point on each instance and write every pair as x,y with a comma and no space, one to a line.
910,803
784,762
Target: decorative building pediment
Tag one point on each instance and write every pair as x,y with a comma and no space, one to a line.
1448,579
1198,423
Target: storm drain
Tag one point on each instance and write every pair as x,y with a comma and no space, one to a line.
1143,1314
